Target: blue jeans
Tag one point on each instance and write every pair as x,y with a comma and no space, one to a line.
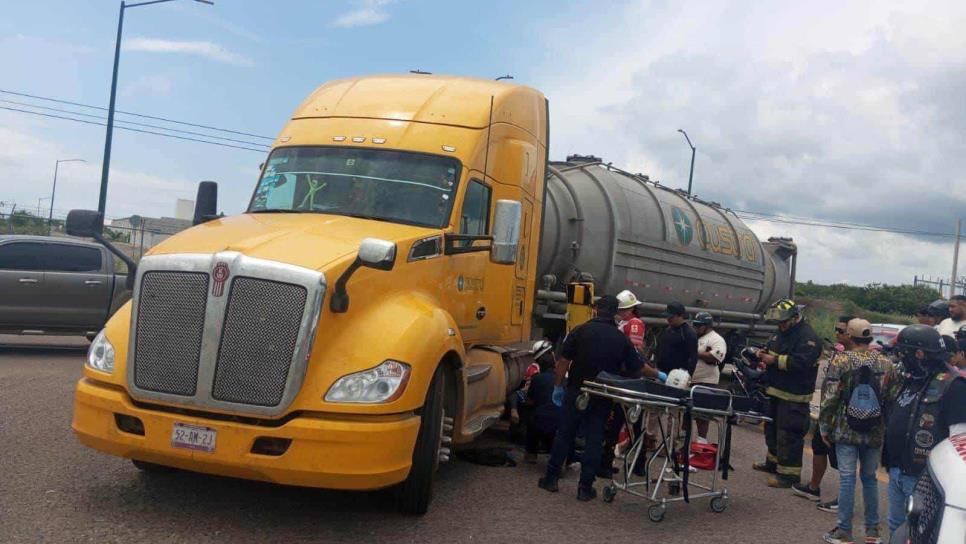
901,487
592,421
867,460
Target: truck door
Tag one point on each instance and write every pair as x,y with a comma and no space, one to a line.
77,281
518,305
22,285
469,269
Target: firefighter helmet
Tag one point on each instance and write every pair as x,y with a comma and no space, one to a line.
626,300
782,310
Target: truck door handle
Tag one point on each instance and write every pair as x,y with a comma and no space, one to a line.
92,282
27,280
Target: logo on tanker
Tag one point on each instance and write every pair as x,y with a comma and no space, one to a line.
220,275
682,226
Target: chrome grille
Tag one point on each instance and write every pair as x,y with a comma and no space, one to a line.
223,331
258,340
170,325
929,500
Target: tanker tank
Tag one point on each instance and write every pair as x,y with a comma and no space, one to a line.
628,232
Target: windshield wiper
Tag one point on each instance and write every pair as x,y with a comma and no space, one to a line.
277,210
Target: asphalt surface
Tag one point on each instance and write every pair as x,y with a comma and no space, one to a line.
52,489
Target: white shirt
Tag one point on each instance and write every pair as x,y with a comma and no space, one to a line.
705,372
948,327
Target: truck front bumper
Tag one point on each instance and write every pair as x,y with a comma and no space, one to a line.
360,452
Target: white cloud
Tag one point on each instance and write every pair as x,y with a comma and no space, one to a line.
27,162
204,49
155,84
368,12
844,111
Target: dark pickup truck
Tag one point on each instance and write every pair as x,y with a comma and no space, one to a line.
57,286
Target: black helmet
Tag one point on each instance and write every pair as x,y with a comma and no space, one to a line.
938,308
921,337
702,318
782,310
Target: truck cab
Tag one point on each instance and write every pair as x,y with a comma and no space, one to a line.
361,316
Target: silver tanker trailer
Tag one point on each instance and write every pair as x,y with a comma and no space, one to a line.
624,231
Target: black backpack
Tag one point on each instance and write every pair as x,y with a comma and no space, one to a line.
864,409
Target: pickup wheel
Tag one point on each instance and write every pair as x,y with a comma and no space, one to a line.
415,493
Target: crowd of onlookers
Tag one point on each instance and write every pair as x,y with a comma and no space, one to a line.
885,405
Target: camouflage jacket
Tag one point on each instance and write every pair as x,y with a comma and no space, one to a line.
839,381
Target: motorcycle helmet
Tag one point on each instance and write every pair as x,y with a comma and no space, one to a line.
678,378
938,308
540,348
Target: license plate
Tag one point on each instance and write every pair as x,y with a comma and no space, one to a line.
193,437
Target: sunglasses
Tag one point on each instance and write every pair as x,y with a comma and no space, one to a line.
840,331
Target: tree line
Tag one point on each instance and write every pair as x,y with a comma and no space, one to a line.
876,297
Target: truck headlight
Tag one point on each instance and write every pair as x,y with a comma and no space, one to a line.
383,383
100,356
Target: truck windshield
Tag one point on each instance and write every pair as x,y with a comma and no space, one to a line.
379,184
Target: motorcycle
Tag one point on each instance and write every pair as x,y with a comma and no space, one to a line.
749,378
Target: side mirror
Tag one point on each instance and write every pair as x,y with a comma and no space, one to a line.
378,254
84,223
373,253
206,205
506,231
90,224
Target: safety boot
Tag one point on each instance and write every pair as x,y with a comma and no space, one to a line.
767,466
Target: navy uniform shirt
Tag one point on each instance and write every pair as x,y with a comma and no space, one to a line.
599,346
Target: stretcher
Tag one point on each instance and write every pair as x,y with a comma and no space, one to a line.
662,475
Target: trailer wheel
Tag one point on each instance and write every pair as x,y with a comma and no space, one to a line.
415,493
656,512
151,468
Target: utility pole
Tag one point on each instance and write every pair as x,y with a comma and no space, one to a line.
106,163
952,283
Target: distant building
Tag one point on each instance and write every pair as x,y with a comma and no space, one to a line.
184,209
147,232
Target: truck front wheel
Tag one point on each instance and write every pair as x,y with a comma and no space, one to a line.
414,494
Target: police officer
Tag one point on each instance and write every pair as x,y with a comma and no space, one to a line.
595,346
792,368
930,399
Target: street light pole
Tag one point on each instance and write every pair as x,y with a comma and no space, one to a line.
693,149
106,163
53,192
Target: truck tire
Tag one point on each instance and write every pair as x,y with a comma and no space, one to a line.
415,493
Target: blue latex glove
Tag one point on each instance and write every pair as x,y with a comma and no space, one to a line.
661,376
558,396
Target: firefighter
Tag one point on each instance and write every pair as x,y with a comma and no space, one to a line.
791,358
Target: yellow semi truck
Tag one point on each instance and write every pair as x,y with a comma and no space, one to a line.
373,306
367,311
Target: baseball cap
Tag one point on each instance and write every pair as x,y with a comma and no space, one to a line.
702,318
674,308
606,305
859,329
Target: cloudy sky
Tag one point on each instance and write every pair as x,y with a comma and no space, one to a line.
837,111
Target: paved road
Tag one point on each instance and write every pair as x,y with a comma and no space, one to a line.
54,490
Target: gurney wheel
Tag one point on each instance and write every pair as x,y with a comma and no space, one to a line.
719,504
656,513
609,493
